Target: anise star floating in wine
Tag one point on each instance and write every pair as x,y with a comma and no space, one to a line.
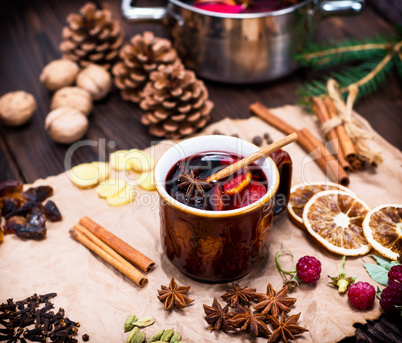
174,296
192,183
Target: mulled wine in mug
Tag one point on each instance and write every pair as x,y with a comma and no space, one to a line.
220,231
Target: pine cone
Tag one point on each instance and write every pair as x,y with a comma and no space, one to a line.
92,36
176,102
139,58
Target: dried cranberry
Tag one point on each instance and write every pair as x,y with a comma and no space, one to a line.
36,217
29,231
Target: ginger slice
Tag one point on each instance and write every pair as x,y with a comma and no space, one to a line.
103,168
147,181
119,160
110,187
124,197
84,175
140,161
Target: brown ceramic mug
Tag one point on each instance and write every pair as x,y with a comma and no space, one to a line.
220,246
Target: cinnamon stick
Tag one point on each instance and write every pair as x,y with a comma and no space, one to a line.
346,143
264,113
326,161
124,267
127,251
263,152
322,110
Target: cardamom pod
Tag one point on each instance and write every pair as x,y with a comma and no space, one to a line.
175,338
129,323
132,333
139,337
143,322
167,335
156,337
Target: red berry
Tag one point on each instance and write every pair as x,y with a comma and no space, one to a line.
391,296
308,269
395,274
361,295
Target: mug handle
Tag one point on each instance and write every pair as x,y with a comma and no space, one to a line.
134,13
285,166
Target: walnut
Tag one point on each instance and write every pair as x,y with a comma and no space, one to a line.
66,125
58,74
74,97
96,80
16,108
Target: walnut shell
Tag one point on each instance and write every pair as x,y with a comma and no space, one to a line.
16,108
74,97
58,74
96,80
66,125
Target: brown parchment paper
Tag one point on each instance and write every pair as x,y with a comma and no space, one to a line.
101,298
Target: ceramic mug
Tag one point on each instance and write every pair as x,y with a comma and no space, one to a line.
220,246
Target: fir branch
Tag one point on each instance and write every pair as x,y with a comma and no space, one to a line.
368,76
323,55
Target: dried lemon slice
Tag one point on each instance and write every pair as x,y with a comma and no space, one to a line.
335,219
84,175
110,187
301,193
383,229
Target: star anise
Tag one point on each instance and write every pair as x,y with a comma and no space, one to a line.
274,302
174,296
285,329
218,316
192,183
249,322
238,295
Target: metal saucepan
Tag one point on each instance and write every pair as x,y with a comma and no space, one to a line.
241,47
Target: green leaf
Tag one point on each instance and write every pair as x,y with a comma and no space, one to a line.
378,293
378,273
384,262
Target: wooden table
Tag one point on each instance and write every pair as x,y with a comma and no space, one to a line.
29,38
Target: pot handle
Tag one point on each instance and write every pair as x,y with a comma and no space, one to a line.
284,164
326,8
134,13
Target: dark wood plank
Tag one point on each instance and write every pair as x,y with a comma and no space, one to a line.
30,33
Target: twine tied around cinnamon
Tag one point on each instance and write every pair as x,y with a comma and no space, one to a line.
345,117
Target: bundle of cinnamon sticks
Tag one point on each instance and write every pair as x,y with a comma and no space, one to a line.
113,250
328,162
346,151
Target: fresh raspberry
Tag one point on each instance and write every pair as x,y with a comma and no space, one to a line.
308,269
391,296
361,295
395,274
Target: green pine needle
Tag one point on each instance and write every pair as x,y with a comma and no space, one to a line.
319,56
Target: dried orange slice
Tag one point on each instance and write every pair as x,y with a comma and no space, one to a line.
302,192
238,182
335,219
383,229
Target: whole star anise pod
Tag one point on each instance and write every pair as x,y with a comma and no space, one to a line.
174,296
274,302
192,183
238,295
249,322
218,316
285,329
